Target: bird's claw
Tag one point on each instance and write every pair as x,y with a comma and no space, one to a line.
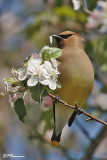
56,99
78,109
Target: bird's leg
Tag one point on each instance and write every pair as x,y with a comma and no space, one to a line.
78,109
72,118
55,139
55,100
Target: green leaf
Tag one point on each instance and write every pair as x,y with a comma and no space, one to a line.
20,108
45,92
26,60
51,52
11,80
38,92
24,83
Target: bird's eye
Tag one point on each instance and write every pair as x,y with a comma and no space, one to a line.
65,36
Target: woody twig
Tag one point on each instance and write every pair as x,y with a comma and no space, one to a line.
78,109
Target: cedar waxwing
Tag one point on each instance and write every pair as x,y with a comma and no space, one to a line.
76,78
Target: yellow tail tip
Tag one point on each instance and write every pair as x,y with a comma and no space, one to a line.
54,143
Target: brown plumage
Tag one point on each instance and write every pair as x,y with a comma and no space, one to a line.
76,78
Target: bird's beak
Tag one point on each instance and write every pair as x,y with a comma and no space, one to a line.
55,36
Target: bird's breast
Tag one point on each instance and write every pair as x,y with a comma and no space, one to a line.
76,78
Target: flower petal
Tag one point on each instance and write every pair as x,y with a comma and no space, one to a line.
44,82
31,70
44,72
54,62
34,64
52,84
22,75
32,81
34,61
12,99
48,66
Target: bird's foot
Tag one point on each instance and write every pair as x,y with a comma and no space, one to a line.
78,109
56,99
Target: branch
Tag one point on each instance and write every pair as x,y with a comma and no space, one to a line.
76,108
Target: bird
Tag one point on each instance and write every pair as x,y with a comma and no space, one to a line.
76,78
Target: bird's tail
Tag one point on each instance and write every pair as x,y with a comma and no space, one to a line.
61,115
55,140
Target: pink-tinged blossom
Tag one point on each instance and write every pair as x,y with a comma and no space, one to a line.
47,101
12,92
98,17
12,98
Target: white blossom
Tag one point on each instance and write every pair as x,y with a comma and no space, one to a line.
19,74
22,75
12,99
76,4
51,74
37,71
9,88
34,71
46,73
33,65
13,90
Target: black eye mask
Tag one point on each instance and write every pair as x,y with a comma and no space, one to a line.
65,36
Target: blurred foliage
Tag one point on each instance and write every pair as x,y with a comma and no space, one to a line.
97,50
101,53
55,20
91,4
47,118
